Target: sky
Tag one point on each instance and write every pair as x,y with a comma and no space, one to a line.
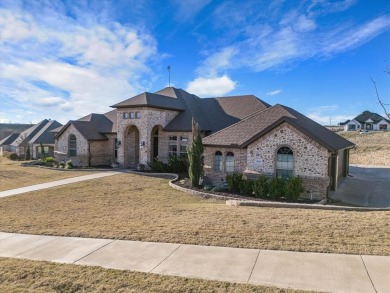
65,59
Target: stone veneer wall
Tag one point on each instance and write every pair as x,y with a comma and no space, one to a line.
61,147
310,158
215,177
164,142
102,152
150,117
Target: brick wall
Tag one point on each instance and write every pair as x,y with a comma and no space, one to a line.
62,152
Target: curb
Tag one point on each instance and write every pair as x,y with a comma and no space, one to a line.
233,201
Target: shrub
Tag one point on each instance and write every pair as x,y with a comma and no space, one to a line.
233,181
11,156
50,160
275,188
246,187
174,165
220,187
69,164
293,187
42,151
62,164
260,186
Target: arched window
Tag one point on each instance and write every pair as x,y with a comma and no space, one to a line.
72,146
218,161
284,163
229,162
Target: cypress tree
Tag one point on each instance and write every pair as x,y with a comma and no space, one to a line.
28,153
42,151
195,156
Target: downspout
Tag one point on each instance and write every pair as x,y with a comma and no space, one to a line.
89,153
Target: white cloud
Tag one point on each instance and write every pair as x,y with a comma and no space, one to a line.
70,65
188,9
326,115
274,93
218,61
211,87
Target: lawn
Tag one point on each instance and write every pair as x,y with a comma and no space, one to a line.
135,207
12,175
35,276
372,148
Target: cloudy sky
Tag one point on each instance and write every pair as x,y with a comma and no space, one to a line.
65,59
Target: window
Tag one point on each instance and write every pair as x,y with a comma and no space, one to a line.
137,115
72,145
382,126
218,161
125,115
131,115
172,151
351,127
183,146
229,162
116,148
284,163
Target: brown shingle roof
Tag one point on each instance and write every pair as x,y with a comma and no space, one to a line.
244,132
94,126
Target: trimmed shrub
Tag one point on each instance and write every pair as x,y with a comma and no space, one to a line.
11,156
275,188
220,187
293,187
50,160
233,181
246,187
260,186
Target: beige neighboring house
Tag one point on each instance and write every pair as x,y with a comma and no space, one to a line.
367,121
32,137
241,134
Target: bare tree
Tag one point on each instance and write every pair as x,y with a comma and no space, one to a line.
383,104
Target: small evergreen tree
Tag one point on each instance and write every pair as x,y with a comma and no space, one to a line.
195,156
42,152
28,153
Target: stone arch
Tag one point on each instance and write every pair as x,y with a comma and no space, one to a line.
131,147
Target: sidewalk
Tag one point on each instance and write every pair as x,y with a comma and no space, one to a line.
55,183
299,270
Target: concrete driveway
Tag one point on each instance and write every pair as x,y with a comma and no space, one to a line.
367,186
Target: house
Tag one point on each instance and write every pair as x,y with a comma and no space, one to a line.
367,121
32,137
241,134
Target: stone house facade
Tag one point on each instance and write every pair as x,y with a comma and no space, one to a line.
241,134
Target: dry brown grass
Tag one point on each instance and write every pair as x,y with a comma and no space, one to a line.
372,148
12,175
36,276
135,207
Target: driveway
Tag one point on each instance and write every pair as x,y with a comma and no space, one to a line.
367,186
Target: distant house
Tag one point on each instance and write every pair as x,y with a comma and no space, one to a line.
240,134
367,121
32,137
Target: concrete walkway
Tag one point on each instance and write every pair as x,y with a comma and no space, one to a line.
56,183
299,270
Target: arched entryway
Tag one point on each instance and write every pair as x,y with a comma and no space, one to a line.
131,147
155,135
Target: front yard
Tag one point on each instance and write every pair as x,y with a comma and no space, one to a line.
135,207
12,175
35,276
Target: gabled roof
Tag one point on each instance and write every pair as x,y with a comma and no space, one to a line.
9,139
366,115
246,131
29,133
93,126
44,135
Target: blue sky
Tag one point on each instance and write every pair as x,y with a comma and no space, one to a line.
65,59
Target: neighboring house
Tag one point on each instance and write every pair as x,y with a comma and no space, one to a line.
241,134
32,137
367,121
